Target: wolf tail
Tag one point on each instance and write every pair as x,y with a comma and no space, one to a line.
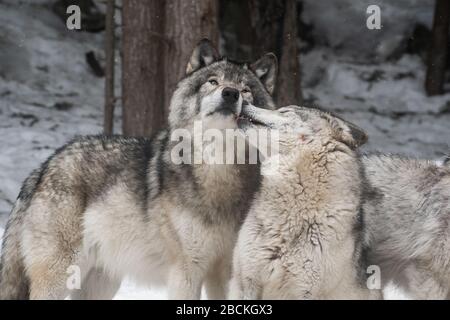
14,283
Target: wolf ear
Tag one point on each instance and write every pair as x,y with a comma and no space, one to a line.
204,54
266,69
348,133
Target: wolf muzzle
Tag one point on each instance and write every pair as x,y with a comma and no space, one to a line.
230,98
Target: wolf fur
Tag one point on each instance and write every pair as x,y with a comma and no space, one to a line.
116,206
407,222
302,236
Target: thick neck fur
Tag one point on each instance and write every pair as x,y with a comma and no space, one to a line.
215,191
314,183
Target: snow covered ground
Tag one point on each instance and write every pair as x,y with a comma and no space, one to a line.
48,95
341,24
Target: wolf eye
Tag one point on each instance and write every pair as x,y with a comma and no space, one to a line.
213,82
246,90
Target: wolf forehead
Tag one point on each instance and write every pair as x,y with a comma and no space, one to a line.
231,71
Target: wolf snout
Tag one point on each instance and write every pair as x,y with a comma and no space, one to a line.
230,95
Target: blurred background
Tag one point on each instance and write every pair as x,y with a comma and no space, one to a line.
117,73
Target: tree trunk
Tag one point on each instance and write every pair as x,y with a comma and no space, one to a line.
109,68
143,67
250,28
187,22
266,20
236,29
437,54
289,84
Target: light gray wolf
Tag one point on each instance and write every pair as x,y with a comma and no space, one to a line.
302,236
117,206
407,219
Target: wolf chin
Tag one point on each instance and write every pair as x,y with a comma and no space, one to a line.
302,236
116,206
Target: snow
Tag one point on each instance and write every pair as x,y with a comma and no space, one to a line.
48,94
342,24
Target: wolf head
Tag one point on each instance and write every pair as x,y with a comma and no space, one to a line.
215,89
298,126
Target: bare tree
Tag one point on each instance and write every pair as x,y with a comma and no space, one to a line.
142,66
437,54
109,69
158,38
187,22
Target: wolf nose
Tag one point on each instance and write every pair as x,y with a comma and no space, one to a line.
230,95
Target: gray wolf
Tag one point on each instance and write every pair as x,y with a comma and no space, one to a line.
407,219
116,206
302,236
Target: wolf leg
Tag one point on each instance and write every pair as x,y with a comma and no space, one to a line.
423,285
185,282
235,289
217,281
245,284
244,288
97,285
